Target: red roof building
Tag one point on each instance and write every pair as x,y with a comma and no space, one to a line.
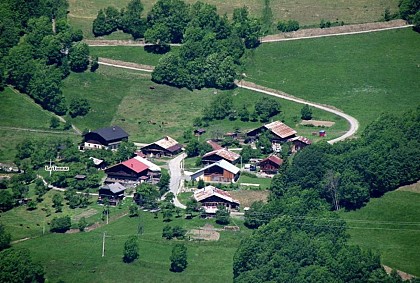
133,171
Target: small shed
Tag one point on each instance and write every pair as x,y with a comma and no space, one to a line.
199,132
80,177
271,164
322,133
113,192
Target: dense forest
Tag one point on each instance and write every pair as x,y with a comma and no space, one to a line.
300,238
38,48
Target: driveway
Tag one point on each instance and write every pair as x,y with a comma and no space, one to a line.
177,181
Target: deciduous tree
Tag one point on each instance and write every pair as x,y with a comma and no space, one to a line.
179,258
131,249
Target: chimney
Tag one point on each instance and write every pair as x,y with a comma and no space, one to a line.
113,128
166,138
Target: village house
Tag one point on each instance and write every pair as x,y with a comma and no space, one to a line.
114,192
219,154
163,147
133,172
279,131
220,171
105,138
211,197
299,142
271,164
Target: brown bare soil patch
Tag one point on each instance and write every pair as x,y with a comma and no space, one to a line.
335,30
404,275
207,233
414,188
248,197
317,123
86,214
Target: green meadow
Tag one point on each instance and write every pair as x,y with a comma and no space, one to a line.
307,12
389,225
363,75
77,257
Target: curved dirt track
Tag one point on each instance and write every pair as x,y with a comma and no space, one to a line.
354,124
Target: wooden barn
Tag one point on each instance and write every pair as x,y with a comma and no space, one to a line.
211,197
114,192
220,171
271,164
163,147
279,131
105,138
299,142
133,171
221,154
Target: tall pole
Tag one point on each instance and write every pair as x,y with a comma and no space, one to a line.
103,245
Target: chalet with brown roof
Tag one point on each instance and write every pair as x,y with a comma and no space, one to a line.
104,138
166,146
299,142
211,197
133,172
280,132
219,154
220,171
271,164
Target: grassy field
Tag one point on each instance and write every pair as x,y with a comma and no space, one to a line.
263,182
79,257
307,12
390,225
122,97
135,54
364,75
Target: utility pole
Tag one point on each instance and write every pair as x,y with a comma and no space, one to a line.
103,245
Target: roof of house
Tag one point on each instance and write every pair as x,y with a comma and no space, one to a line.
214,145
221,163
168,143
224,153
280,129
149,164
114,187
96,161
201,130
301,139
111,133
135,165
274,159
209,191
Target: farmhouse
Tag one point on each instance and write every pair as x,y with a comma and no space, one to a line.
211,197
114,192
271,164
221,154
133,171
106,138
279,131
164,147
299,142
220,171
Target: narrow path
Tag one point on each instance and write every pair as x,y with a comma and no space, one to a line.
36,130
336,31
354,124
125,65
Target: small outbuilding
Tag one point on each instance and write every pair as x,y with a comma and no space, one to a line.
199,132
113,192
271,164
299,142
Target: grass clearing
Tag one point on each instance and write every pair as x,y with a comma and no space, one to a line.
248,197
363,75
79,257
263,182
307,12
390,225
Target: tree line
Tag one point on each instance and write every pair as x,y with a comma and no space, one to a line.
212,44
38,49
299,238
